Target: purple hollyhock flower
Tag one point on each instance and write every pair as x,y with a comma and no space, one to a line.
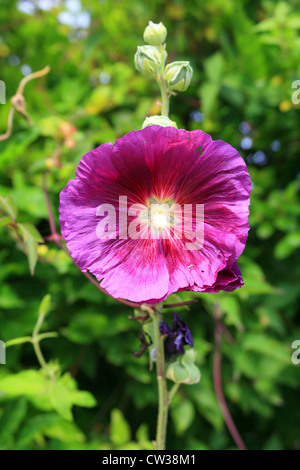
167,166
177,338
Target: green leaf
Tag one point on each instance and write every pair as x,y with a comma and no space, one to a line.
14,413
205,398
230,307
35,428
119,428
129,446
142,437
31,239
273,443
254,279
86,327
24,383
61,400
214,67
32,231
8,206
287,245
83,398
208,93
270,347
183,415
64,431
5,221
9,298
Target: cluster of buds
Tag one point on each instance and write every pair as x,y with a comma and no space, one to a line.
150,60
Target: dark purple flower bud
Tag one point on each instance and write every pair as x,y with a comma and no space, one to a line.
177,338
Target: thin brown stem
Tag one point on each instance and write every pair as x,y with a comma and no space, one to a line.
139,318
181,304
217,373
10,119
32,76
18,102
49,207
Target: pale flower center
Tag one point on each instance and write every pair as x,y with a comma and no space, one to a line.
160,218
158,215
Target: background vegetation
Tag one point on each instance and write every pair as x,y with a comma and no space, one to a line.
245,56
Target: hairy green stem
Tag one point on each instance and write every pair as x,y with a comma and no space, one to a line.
173,391
162,85
163,400
36,346
164,96
40,356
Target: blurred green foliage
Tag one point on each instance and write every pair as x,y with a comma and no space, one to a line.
245,56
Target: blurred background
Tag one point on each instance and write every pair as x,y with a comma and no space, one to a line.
245,56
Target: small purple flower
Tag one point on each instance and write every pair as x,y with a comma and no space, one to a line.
177,338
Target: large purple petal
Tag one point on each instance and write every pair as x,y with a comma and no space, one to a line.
187,167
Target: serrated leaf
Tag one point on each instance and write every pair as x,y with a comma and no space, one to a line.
24,383
61,400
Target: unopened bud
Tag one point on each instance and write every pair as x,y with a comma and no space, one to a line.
147,60
45,305
163,121
178,75
184,370
155,33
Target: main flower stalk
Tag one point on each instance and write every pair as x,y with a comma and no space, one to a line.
163,400
163,86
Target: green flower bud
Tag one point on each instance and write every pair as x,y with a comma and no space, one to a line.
45,305
178,75
184,370
163,121
147,60
155,34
